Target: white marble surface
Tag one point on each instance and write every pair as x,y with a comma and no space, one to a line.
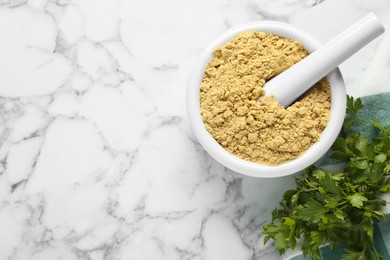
97,159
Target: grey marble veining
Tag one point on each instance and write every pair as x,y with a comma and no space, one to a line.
97,159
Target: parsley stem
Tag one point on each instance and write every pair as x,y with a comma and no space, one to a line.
373,123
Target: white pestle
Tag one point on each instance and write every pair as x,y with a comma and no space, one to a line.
293,82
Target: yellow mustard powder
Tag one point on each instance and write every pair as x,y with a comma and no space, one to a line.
260,131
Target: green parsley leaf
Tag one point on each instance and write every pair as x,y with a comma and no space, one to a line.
357,200
330,185
380,158
353,106
312,211
361,144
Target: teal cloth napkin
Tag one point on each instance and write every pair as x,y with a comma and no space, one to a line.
374,107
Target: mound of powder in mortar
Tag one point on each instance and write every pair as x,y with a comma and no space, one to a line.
260,131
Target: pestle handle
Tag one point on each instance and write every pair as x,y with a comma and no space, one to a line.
293,82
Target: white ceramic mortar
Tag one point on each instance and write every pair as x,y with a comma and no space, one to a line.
315,152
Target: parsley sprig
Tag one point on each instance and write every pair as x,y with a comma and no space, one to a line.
338,208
